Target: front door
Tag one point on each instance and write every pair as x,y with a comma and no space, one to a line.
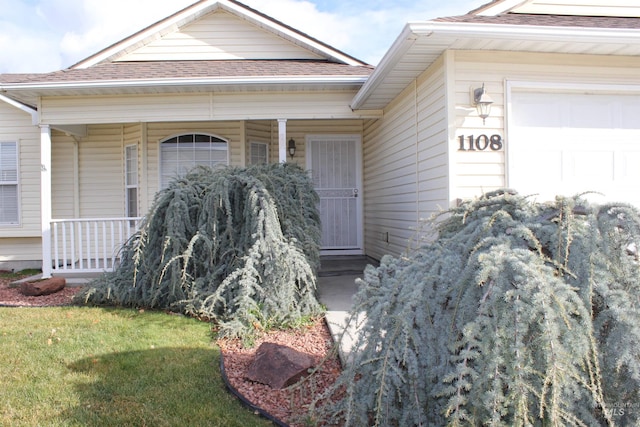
335,164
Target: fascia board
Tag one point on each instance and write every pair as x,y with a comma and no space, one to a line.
397,50
453,32
527,32
159,83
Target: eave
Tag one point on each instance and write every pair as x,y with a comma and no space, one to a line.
30,92
19,105
420,44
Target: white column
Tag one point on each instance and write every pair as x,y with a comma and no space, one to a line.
45,198
282,140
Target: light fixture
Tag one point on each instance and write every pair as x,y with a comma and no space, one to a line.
483,102
292,147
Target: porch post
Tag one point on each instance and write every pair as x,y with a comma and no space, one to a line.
282,140
45,198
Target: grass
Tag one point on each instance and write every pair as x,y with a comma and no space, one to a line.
73,366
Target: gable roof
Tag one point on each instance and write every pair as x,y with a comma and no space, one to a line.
420,44
204,7
111,71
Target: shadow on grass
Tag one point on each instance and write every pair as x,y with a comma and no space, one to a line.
159,387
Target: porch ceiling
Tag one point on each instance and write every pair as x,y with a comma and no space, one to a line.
421,44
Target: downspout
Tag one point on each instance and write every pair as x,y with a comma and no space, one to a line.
415,126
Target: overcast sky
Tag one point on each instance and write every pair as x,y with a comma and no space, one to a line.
48,35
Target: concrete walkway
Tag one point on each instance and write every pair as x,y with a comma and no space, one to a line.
336,288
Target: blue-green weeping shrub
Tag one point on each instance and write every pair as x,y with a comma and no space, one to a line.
239,246
519,314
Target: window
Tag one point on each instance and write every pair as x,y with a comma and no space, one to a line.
180,154
131,180
258,153
8,183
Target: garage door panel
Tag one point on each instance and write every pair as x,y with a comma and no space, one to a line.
579,166
582,142
581,113
629,114
628,166
536,170
536,112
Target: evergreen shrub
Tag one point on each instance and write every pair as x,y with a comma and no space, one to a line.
518,314
239,246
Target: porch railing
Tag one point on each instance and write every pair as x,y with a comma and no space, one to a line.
89,245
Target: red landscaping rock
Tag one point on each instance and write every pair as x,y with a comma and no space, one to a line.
42,287
278,366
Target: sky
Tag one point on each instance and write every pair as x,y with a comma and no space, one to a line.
47,35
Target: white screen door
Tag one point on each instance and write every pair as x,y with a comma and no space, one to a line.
335,164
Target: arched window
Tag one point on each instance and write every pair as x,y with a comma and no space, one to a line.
179,154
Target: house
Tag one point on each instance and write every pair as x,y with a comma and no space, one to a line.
539,96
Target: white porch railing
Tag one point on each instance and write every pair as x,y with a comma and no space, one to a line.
89,245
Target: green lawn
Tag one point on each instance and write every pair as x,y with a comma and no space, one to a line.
74,366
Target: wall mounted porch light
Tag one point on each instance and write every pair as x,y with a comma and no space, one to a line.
291,146
482,102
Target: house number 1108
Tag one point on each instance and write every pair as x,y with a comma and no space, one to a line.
480,143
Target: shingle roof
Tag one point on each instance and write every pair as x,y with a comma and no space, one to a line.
151,70
547,20
17,78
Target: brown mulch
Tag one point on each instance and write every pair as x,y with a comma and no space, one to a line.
10,295
289,405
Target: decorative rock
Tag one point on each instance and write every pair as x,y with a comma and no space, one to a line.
43,287
278,366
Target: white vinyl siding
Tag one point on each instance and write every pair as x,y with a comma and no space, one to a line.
406,164
64,170
219,36
180,154
16,249
101,177
131,180
198,106
9,212
390,186
16,127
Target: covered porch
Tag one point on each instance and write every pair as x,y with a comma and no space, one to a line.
99,180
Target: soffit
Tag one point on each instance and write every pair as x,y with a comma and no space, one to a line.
421,44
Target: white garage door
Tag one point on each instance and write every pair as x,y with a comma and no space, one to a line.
569,143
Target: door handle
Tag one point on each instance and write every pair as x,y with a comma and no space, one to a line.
355,192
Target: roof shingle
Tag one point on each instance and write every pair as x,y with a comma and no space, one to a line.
151,70
548,20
